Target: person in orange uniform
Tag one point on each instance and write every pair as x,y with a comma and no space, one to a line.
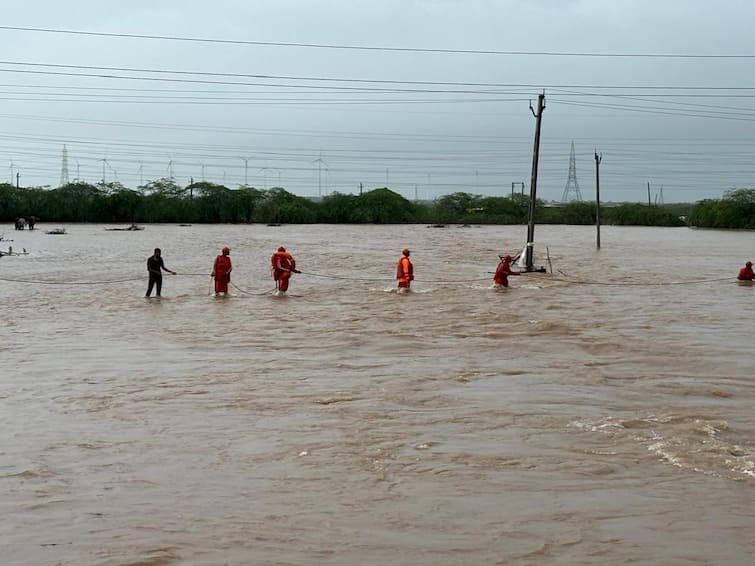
502,272
745,274
282,264
221,271
404,271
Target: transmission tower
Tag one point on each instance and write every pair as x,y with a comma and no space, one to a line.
64,168
571,190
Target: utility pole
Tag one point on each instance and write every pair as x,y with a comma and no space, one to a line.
246,170
598,159
533,181
648,193
513,184
360,189
18,180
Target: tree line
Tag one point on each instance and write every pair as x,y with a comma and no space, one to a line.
203,202
735,210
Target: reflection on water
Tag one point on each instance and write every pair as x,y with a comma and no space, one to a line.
602,414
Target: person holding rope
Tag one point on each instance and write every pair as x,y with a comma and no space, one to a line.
404,271
502,272
155,267
221,271
282,264
746,274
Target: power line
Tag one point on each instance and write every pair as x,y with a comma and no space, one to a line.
384,48
349,80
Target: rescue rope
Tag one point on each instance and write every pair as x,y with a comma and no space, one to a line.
105,282
643,283
239,289
565,278
42,282
387,279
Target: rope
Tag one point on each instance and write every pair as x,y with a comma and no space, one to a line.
645,284
195,274
344,278
249,292
386,279
40,282
336,277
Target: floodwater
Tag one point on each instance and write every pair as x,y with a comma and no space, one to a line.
602,414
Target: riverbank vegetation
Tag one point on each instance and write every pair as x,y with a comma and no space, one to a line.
735,210
165,201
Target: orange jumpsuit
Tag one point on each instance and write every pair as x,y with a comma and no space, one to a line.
502,273
221,271
745,274
282,265
404,272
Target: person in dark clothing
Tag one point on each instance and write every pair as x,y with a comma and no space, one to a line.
155,266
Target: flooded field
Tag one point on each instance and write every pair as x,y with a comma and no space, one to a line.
601,414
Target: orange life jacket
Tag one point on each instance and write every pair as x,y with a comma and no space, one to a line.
222,266
405,269
282,261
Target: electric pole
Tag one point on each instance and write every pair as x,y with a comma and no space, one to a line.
598,159
533,181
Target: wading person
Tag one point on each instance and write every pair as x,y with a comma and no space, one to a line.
221,271
155,267
502,272
745,274
282,264
404,272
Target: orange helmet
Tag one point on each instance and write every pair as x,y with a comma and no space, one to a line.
281,249
226,250
405,251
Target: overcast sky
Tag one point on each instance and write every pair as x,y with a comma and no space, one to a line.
427,97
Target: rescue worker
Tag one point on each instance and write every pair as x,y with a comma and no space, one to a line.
282,264
221,271
502,272
155,267
745,274
404,272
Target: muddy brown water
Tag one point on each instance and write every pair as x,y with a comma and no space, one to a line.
602,414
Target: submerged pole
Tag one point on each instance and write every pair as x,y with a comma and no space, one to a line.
598,159
533,182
